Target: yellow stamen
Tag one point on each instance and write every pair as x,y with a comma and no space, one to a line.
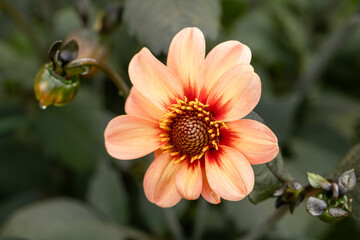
205,149
167,147
174,154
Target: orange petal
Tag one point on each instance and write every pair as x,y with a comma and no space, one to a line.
159,181
235,94
128,137
207,193
189,180
223,57
137,105
229,173
186,58
154,80
253,139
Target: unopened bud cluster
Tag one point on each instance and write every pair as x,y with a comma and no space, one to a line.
330,202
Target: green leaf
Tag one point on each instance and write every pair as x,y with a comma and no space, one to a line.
12,122
351,161
266,183
12,203
231,10
317,148
65,21
22,167
107,193
254,116
279,114
256,29
60,219
294,32
17,67
155,22
152,215
74,134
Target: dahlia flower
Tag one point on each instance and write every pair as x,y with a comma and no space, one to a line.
188,112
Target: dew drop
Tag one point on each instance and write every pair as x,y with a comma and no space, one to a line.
42,106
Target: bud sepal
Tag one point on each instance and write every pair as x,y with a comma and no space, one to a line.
54,89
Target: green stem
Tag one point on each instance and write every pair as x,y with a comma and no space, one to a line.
174,224
89,62
21,22
260,229
199,219
316,67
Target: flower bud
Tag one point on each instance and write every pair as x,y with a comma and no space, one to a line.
328,211
347,181
318,182
91,45
52,88
330,203
291,193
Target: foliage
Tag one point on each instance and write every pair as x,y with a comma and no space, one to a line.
58,182
156,30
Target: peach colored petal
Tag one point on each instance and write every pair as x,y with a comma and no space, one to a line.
253,139
229,173
159,181
128,137
186,58
137,105
154,80
207,193
189,180
223,57
235,94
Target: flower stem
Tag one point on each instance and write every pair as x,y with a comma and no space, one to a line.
90,62
174,224
259,230
199,219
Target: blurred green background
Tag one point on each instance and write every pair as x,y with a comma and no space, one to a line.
58,182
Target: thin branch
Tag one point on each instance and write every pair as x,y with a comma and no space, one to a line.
199,219
335,42
274,173
174,224
259,230
118,81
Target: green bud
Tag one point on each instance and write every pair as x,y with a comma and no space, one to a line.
322,206
291,193
318,182
333,214
52,88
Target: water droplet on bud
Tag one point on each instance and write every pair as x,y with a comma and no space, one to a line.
42,106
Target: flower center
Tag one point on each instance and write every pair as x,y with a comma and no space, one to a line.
190,130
